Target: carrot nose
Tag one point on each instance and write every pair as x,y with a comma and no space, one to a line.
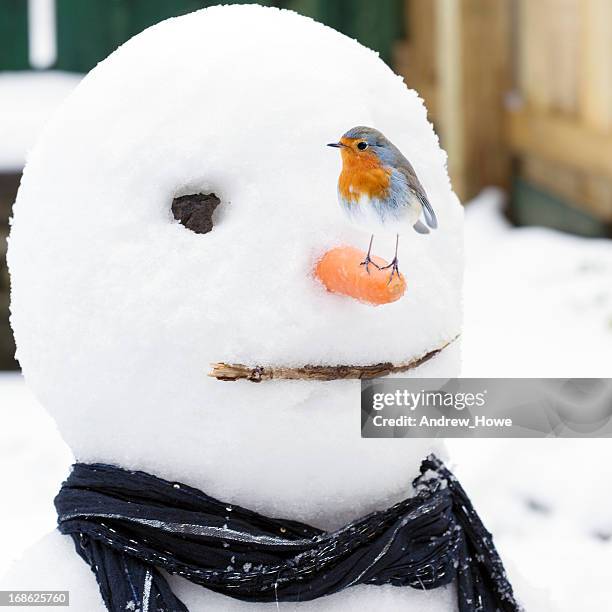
341,272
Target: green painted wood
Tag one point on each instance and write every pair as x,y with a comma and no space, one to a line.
532,206
14,35
375,24
89,31
145,13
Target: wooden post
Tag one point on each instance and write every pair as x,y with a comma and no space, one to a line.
415,57
596,91
596,66
449,53
458,58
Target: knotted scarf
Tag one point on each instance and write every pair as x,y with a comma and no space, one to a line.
128,525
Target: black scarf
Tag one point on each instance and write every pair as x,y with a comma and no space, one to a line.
129,525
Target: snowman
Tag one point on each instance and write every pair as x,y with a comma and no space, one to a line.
168,230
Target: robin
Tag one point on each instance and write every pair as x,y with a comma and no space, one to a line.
379,189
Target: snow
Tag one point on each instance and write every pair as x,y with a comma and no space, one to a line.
544,305
538,303
137,307
547,502
118,310
27,101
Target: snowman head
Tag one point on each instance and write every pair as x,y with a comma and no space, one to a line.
119,307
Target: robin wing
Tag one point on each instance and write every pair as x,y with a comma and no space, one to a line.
415,186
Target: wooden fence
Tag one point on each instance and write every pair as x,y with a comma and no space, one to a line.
456,56
562,133
520,92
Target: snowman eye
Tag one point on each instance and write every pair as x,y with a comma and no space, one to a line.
195,211
362,146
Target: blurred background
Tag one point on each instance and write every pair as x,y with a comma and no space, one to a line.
520,94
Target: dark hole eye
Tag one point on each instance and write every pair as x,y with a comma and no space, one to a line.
362,145
195,211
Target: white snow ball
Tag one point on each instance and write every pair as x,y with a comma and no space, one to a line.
119,309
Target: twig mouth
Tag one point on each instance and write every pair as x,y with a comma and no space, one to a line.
238,371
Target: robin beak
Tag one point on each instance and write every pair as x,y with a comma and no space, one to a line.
336,144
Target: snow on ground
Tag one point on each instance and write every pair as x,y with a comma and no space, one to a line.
537,302
27,100
548,504
33,462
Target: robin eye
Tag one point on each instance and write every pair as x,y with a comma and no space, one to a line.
362,146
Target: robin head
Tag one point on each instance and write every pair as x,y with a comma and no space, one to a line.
365,147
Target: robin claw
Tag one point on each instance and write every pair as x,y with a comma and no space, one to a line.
366,262
394,265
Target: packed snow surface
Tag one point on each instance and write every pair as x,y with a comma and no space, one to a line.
119,310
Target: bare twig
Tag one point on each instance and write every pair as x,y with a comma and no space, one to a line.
239,371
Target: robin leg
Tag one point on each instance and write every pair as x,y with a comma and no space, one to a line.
394,265
367,261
